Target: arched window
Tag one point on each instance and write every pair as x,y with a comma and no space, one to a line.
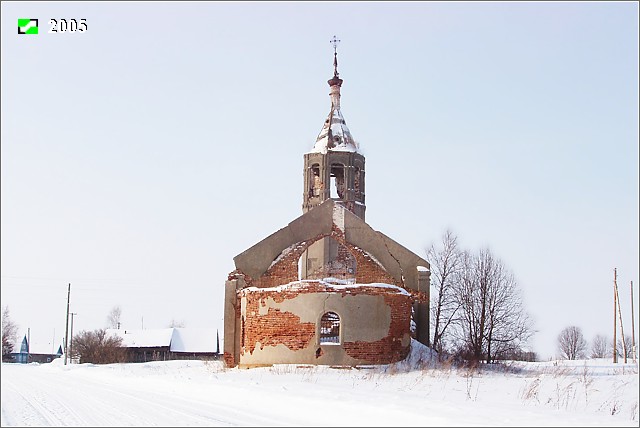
330,329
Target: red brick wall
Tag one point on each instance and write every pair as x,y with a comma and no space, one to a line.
229,360
284,270
275,328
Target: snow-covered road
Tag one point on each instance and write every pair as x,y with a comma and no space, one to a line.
88,396
195,393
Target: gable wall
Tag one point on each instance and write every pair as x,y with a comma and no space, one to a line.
285,270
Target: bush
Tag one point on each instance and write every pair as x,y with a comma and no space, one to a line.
98,348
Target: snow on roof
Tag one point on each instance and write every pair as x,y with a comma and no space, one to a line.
335,136
177,339
194,340
329,283
144,338
39,347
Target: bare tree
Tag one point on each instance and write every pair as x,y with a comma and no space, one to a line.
445,265
600,347
509,326
571,343
9,333
176,324
626,345
471,323
493,321
113,319
98,347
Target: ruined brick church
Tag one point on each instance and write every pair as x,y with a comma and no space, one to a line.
327,288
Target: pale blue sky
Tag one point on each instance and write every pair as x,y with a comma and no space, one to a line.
140,157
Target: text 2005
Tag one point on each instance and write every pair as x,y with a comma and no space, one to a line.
68,25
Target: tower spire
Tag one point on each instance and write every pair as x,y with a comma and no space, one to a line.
334,134
335,80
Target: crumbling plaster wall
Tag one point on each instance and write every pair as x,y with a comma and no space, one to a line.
281,325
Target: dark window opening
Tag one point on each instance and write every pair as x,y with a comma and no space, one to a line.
337,181
330,328
316,186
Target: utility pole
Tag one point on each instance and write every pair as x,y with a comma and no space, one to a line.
633,329
28,343
66,328
624,342
615,325
71,342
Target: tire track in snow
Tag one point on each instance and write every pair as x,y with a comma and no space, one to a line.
77,398
45,414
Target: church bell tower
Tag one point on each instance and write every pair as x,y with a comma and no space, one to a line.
333,169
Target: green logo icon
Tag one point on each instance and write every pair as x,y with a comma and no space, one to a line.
27,26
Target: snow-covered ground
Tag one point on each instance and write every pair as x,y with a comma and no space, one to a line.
411,393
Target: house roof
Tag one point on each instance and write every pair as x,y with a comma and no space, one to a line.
194,340
144,338
38,347
176,339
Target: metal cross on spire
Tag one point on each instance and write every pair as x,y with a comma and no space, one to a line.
335,42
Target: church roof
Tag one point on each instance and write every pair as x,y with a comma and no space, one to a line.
335,136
